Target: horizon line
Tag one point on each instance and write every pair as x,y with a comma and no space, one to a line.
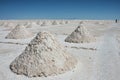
56,19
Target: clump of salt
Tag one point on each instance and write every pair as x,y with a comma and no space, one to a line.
80,35
19,32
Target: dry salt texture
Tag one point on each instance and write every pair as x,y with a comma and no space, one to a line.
80,35
19,32
99,60
43,56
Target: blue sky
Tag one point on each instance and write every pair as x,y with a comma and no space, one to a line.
59,9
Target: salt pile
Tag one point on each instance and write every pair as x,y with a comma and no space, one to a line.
61,22
19,32
38,22
81,22
28,25
31,24
43,56
44,23
1,23
66,22
54,23
80,35
34,24
5,24
10,25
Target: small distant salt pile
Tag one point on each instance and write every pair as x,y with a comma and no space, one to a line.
61,22
34,24
19,32
10,25
43,56
27,25
1,23
44,23
81,22
38,22
66,22
54,23
80,35
5,24
31,24
98,23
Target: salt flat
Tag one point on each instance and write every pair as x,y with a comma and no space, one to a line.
99,60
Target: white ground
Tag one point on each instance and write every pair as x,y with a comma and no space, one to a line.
99,60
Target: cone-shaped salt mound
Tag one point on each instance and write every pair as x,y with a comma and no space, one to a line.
61,22
81,22
44,56
19,32
44,23
30,25
80,35
66,22
54,23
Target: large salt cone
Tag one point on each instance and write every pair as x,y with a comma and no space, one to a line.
44,56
